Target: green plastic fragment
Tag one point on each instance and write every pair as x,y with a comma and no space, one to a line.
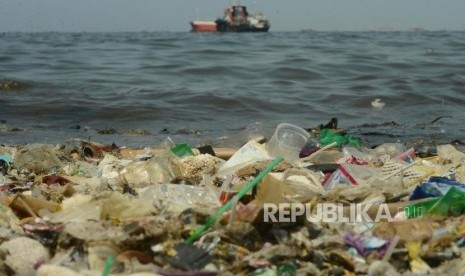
328,136
450,204
419,209
182,150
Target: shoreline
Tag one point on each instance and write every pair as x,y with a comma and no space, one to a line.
112,207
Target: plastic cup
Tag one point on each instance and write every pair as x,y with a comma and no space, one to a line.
287,141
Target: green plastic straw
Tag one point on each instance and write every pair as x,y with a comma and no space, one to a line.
211,220
108,264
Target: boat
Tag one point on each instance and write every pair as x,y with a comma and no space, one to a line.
236,18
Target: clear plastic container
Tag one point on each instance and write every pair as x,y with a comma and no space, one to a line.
287,141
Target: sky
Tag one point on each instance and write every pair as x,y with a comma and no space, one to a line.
174,15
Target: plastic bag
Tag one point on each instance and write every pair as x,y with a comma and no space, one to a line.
37,158
157,169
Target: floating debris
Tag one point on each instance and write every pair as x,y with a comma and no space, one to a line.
378,104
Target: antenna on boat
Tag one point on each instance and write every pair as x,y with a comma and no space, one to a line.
197,13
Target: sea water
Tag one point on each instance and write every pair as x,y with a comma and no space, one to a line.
139,88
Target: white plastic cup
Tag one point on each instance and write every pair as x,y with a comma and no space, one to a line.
287,141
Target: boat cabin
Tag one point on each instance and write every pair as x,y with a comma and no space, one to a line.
236,14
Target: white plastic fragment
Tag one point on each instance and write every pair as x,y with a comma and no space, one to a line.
24,254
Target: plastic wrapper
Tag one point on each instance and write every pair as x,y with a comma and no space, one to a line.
391,149
37,158
246,155
122,207
305,183
156,170
366,245
90,231
77,208
108,172
378,155
327,157
183,196
351,175
80,168
361,153
273,190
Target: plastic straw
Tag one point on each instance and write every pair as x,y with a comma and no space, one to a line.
211,220
390,249
318,152
26,206
108,264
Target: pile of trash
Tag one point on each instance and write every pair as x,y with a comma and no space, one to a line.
313,201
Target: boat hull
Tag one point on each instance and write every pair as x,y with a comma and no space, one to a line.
225,26
203,26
